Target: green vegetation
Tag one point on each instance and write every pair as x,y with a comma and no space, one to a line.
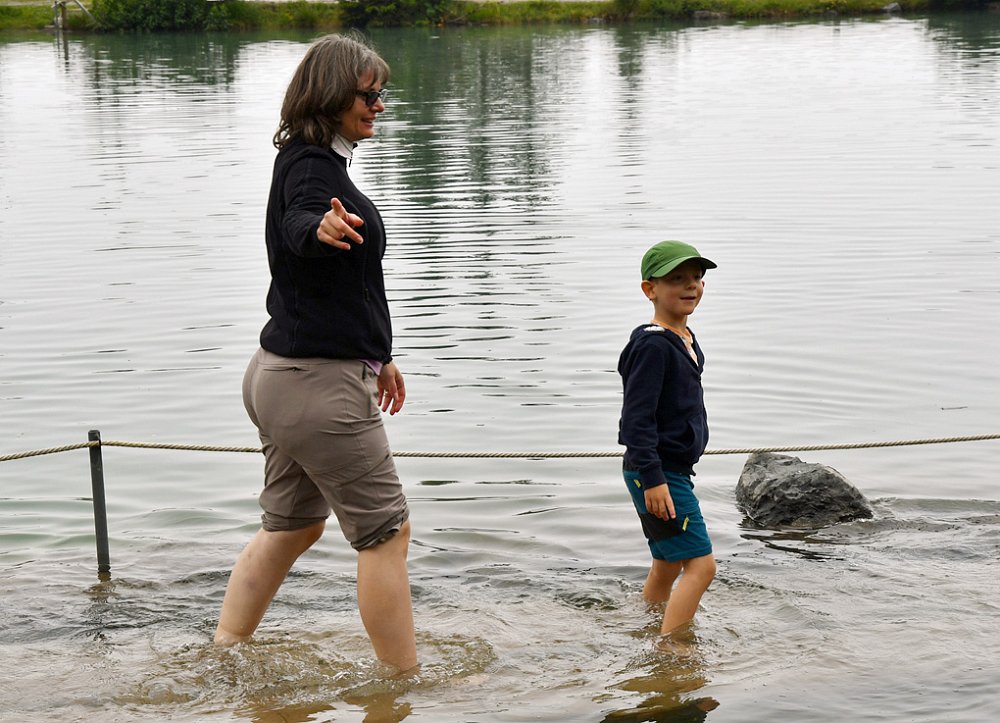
237,15
25,17
157,15
361,13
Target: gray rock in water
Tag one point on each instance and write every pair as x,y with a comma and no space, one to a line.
777,491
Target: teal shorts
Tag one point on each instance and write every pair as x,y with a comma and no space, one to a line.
672,542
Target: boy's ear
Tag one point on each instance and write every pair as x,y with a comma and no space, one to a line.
647,289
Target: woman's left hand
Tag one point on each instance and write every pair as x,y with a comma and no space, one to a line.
391,390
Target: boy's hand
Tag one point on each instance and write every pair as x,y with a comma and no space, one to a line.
659,502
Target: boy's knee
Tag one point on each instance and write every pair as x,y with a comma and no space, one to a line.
702,567
710,568
666,569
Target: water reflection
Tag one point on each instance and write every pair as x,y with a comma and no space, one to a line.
103,598
380,706
667,680
113,62
482,142
971,33
969,57
258,713
378,699
665,708
779,540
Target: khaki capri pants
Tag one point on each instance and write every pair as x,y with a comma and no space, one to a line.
324,447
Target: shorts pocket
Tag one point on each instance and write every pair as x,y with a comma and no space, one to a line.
656,528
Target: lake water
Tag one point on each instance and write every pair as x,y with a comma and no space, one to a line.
844,174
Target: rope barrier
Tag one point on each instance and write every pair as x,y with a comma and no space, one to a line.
858,445
507,455
95,444
50,450
185,447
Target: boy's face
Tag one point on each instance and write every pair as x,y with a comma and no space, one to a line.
676,295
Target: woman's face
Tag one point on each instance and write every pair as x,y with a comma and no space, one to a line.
358,121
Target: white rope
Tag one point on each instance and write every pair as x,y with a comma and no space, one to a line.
187,447
507,455
50,450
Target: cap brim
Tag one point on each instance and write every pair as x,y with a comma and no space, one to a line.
666,268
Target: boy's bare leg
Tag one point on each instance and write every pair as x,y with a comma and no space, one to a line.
384,600
683,604
256,577
660,580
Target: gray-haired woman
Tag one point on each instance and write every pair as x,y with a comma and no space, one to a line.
324,373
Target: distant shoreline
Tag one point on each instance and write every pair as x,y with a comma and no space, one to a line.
253,15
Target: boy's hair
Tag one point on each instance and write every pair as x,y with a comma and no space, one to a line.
666,256
324,86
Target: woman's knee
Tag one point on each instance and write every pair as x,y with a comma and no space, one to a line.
400,542
404,531
396,544
303,538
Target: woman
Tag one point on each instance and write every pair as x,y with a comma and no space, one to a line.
324,371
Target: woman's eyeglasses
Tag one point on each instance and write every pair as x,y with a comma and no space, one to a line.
371,97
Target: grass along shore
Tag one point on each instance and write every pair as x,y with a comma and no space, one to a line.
324,15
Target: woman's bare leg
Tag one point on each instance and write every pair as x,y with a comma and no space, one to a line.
384,600
256,577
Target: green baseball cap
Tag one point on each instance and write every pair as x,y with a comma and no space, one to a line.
666,256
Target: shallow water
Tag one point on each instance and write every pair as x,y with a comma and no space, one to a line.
843,174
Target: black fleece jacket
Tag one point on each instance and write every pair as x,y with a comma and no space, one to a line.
663,424
323,302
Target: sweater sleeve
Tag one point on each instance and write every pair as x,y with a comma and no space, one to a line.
638,427
307,192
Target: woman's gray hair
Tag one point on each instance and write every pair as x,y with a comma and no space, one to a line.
324,86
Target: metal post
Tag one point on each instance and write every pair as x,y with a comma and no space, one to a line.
100,508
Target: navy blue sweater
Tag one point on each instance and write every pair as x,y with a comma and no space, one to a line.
663,423
323,302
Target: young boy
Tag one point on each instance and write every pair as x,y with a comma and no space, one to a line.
665,430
